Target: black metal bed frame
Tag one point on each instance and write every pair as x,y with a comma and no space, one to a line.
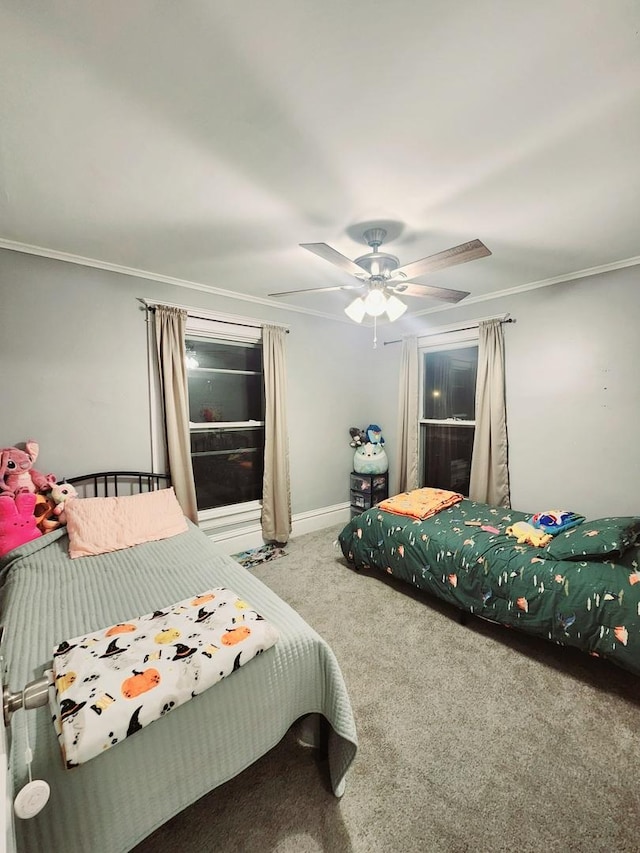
108,483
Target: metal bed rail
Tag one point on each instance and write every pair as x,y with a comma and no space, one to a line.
113,483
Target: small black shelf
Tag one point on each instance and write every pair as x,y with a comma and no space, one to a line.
366,490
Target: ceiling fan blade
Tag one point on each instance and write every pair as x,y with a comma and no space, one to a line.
456,255
333,256
320,289
412,289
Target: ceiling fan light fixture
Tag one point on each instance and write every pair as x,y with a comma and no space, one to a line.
375,303
395,308
356,310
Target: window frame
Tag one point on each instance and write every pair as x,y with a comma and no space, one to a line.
446,341
234,332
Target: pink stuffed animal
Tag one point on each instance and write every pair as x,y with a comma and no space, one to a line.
17,473
17,521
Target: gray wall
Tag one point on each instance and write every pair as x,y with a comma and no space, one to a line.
74,374
74,377
573,392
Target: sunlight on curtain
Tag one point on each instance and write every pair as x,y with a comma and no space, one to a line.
169,332
276,488
407,454
489,463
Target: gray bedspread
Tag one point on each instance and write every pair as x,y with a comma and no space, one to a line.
116,799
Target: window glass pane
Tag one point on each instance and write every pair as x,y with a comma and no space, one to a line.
450,383
227,465
225,355
224,396
446,456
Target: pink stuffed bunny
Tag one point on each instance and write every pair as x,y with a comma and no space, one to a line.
17,521
17,473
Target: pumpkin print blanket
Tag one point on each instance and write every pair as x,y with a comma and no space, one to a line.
107,685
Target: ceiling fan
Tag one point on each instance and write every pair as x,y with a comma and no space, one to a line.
383,277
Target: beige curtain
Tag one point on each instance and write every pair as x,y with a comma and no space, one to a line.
489,463
169,330
407,455
276,489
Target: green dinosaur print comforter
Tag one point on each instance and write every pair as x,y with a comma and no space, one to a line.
583,589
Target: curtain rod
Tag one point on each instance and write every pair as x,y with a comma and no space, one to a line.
449,331
151,306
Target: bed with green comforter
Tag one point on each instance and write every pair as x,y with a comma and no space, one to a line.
581,589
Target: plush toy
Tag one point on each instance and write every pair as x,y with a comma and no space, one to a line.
370,456
17,473
358,437
61,493
370,459
44,513
17,521
374,434
525,532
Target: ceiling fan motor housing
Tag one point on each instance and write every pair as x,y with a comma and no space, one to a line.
379,265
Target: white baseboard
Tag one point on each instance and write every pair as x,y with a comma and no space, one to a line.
250,536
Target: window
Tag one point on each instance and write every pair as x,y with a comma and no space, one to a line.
447,424
226,413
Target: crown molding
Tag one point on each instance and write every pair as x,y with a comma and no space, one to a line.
67,257
534,285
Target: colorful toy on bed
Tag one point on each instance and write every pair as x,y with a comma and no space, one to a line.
17,473
43,511
61,493
525,532
556,520
17,521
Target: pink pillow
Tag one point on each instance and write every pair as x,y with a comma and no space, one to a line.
99,525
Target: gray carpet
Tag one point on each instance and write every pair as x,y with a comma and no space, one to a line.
472,738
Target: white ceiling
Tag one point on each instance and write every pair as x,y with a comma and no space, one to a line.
203,141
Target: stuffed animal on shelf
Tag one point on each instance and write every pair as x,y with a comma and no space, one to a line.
370,456
358,437
17,521
61,493
374,434
17,473
370,459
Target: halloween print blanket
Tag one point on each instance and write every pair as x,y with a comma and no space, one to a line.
109,684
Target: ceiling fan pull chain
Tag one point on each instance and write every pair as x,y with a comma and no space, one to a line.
375,333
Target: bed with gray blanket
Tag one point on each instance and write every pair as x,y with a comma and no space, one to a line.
116,799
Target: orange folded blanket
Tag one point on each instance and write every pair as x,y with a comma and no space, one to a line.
421,503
